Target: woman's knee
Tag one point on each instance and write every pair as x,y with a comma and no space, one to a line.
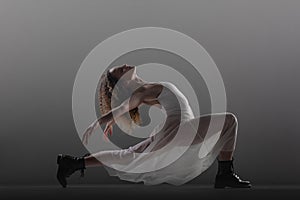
231,117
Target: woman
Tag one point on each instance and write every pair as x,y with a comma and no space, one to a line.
180,119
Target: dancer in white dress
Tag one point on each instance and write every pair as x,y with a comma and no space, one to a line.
177,150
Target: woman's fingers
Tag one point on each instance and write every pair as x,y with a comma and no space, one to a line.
89,131
107,131
106,128
105,137
85,139
110,131
86,135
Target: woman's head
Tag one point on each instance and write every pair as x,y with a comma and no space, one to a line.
125,72
110,94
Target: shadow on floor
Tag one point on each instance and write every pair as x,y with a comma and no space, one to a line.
139,191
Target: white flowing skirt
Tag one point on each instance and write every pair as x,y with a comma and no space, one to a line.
175,153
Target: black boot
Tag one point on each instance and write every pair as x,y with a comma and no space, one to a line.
226,177
67,165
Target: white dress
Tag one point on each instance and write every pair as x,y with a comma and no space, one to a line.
167,155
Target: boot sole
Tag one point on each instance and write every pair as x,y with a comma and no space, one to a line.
219,186
226,186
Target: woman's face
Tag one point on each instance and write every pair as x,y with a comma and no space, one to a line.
125,71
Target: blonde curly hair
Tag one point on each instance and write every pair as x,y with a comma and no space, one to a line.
108,99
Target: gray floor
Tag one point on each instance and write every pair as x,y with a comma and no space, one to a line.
139,191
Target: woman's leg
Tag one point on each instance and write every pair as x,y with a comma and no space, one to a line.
94,160
227,122
226,176
225,155
91,161
230,131
121,156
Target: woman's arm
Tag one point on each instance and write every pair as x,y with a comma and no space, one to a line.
132,102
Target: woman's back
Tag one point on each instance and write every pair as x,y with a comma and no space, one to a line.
174,102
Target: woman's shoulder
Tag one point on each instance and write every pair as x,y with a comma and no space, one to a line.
160,85
151,89
153,86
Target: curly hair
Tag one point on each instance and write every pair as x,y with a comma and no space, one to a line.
107,98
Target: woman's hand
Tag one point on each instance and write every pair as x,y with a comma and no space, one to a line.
88,132
108,130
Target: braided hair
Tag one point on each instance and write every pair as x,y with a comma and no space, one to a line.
107,98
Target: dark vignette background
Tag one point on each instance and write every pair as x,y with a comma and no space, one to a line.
254,43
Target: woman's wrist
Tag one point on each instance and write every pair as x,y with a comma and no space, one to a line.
98,121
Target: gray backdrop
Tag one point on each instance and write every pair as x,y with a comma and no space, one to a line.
254,43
